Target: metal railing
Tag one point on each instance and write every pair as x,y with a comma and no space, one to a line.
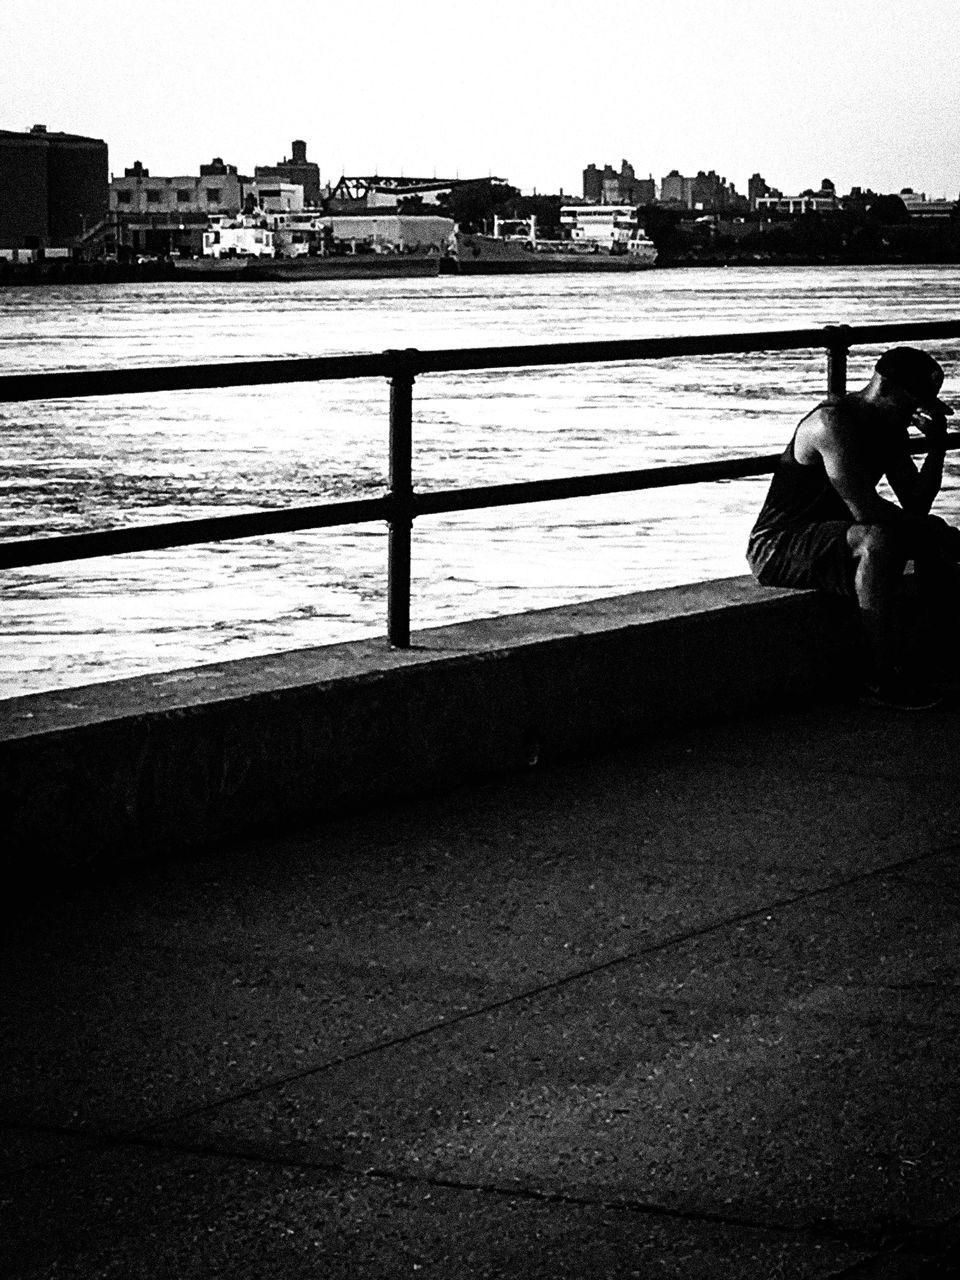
401,504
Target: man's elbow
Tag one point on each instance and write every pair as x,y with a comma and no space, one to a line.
877,512
861,511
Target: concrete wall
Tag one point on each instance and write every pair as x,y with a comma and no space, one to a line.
178,760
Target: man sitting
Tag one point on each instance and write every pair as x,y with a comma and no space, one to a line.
823,524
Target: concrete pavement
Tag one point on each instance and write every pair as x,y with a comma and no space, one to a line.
686,1010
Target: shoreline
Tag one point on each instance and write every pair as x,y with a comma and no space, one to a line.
73,273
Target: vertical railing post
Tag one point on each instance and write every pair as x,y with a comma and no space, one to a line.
401,495
837,342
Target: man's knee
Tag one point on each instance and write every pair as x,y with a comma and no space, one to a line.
878,546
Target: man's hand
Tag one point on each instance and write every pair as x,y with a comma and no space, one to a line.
932,424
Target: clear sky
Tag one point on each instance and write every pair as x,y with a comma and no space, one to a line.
866,92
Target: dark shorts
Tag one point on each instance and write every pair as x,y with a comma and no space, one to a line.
808,557
818,557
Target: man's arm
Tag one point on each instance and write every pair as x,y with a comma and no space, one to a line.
915,487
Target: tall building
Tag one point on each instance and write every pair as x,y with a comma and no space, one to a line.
298,170
644,191
55,188
607,186
676,189
706,193
757,189
592,184
610,185
713,194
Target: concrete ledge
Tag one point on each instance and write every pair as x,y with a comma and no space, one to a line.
178,760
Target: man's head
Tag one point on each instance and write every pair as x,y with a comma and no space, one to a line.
915,374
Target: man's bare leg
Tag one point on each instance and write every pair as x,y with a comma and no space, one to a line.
880,562
878,582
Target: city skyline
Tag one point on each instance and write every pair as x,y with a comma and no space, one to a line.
863,93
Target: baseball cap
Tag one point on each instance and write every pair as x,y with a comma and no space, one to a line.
915,372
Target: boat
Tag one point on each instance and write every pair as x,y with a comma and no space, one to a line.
348,266
491,255
601,238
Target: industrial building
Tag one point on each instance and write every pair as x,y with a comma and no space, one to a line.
158,216
55,189
217,189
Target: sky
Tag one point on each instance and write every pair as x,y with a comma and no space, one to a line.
864,92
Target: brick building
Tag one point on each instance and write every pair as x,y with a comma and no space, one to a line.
675,189
705,193
592,184
607,186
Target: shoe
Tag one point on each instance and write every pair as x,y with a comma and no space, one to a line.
900,695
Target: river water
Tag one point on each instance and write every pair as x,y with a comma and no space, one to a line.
98,463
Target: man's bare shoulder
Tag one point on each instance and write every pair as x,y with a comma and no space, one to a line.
822,428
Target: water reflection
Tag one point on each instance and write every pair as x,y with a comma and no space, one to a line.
102,462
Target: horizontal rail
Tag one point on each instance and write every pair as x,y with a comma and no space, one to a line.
504,495
440,502
23,552
189,377
250,373
401,505
472,358
20,552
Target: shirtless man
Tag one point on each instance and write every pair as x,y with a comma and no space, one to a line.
824,525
